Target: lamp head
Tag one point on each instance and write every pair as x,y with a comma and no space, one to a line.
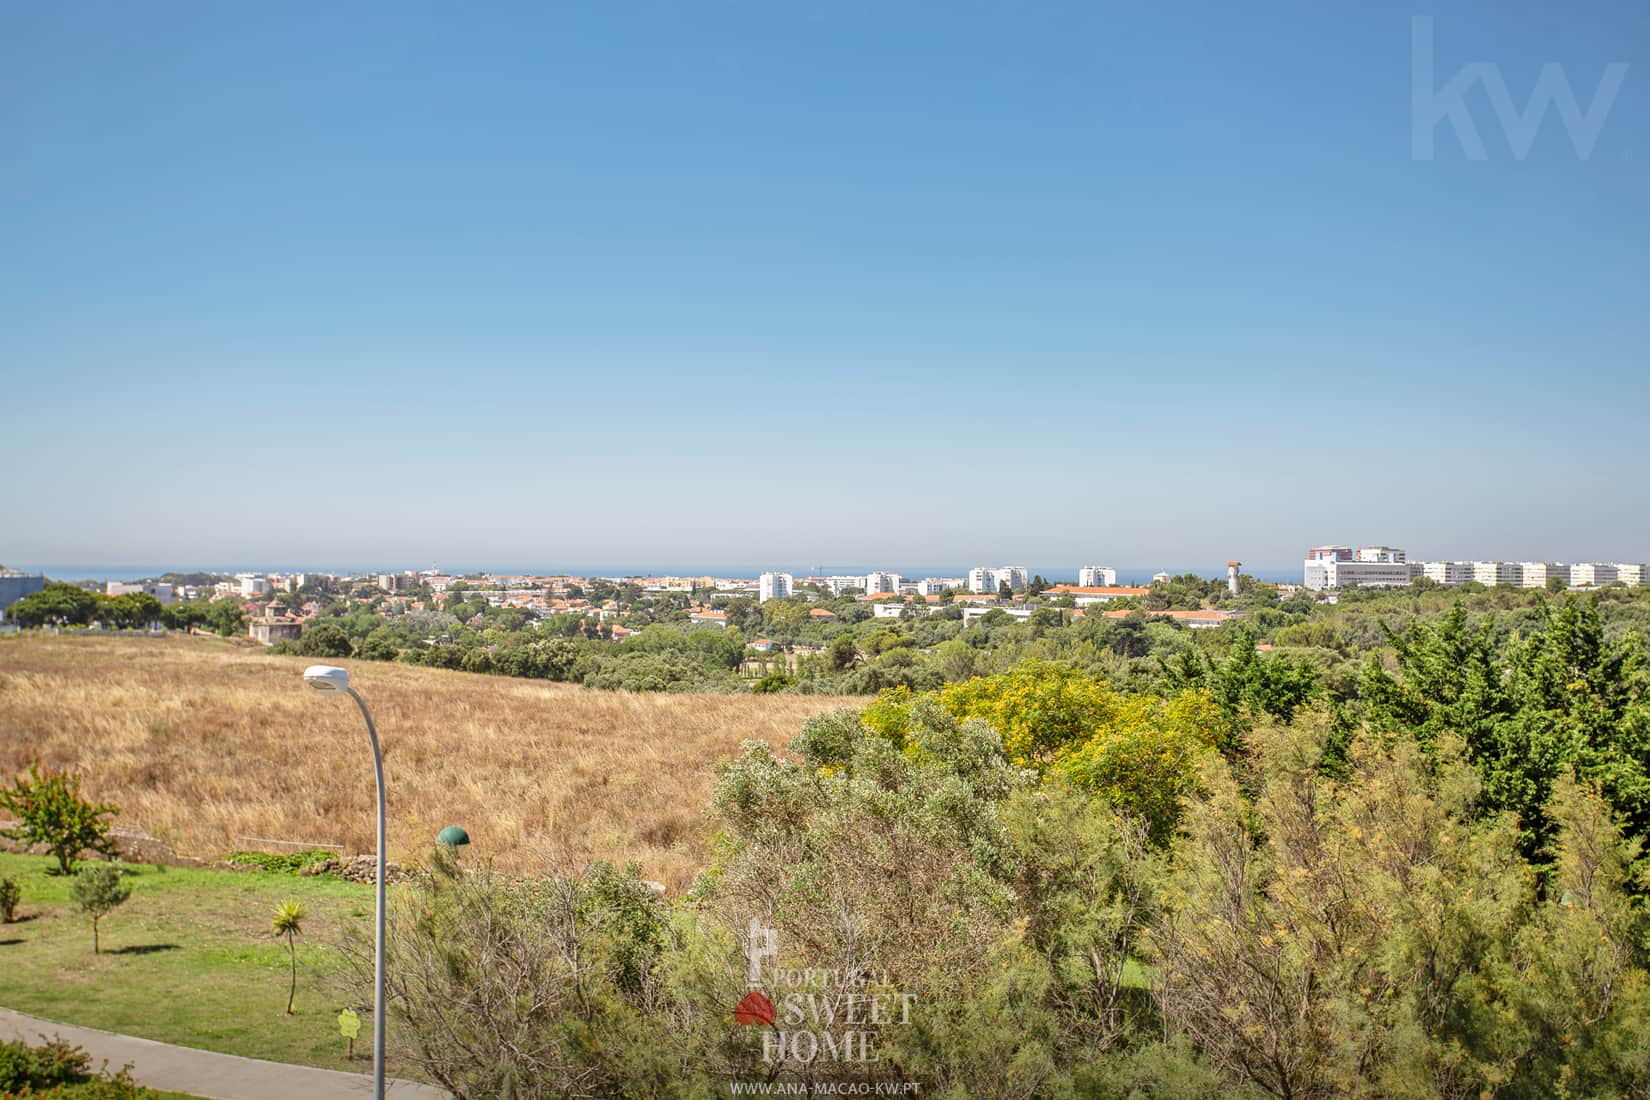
327,678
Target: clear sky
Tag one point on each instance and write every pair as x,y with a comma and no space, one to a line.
679,284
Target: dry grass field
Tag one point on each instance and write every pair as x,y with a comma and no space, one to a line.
199,740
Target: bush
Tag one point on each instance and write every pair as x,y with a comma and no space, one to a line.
50,811
55,1062
59,1070
10,895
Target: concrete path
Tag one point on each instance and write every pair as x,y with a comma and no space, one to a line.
205,1073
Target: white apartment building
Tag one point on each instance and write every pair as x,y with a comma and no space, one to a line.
839,585
1339,567
161,592
933,586
1447,572
882,584
773,586
1536,574
1096,576
1492,573
984,578
253,586
1630,574
1591,574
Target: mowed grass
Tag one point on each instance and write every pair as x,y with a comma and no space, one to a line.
189,959
200,740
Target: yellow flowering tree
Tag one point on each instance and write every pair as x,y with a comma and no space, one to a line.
1138,751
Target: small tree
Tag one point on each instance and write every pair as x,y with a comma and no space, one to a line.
10,895
289,922
96,891
50,811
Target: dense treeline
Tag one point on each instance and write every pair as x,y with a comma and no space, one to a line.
61,604
1232,882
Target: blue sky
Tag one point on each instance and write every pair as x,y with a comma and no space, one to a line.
684,284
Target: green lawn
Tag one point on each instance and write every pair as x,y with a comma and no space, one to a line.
189,959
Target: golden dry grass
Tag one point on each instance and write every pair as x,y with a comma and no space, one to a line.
199,741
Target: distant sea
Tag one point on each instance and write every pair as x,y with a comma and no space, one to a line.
1058,574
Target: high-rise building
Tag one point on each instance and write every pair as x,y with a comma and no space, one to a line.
773,586
1630,574
933,586
839,585
1096,576
881,584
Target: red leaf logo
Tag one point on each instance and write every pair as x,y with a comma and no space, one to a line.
754,1009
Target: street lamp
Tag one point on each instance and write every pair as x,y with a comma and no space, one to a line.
326,678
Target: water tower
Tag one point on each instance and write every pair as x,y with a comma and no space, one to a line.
1232,568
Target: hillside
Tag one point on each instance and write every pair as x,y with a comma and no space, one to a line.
200,741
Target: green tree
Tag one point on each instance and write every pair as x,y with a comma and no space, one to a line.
324,640
48,810
225,617
97,890
56,603
842,654
289,922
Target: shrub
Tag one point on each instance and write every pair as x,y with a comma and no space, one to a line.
59,1070
50,811
55,1062
10,895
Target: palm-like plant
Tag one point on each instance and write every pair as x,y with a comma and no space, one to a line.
289,922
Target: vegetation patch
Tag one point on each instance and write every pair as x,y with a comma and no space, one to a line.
286,863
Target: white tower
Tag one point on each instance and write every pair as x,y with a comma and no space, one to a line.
1232,576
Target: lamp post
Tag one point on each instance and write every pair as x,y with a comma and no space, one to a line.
326,678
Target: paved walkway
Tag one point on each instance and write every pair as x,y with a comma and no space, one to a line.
205,1073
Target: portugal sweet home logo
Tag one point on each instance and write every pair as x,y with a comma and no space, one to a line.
814,1014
